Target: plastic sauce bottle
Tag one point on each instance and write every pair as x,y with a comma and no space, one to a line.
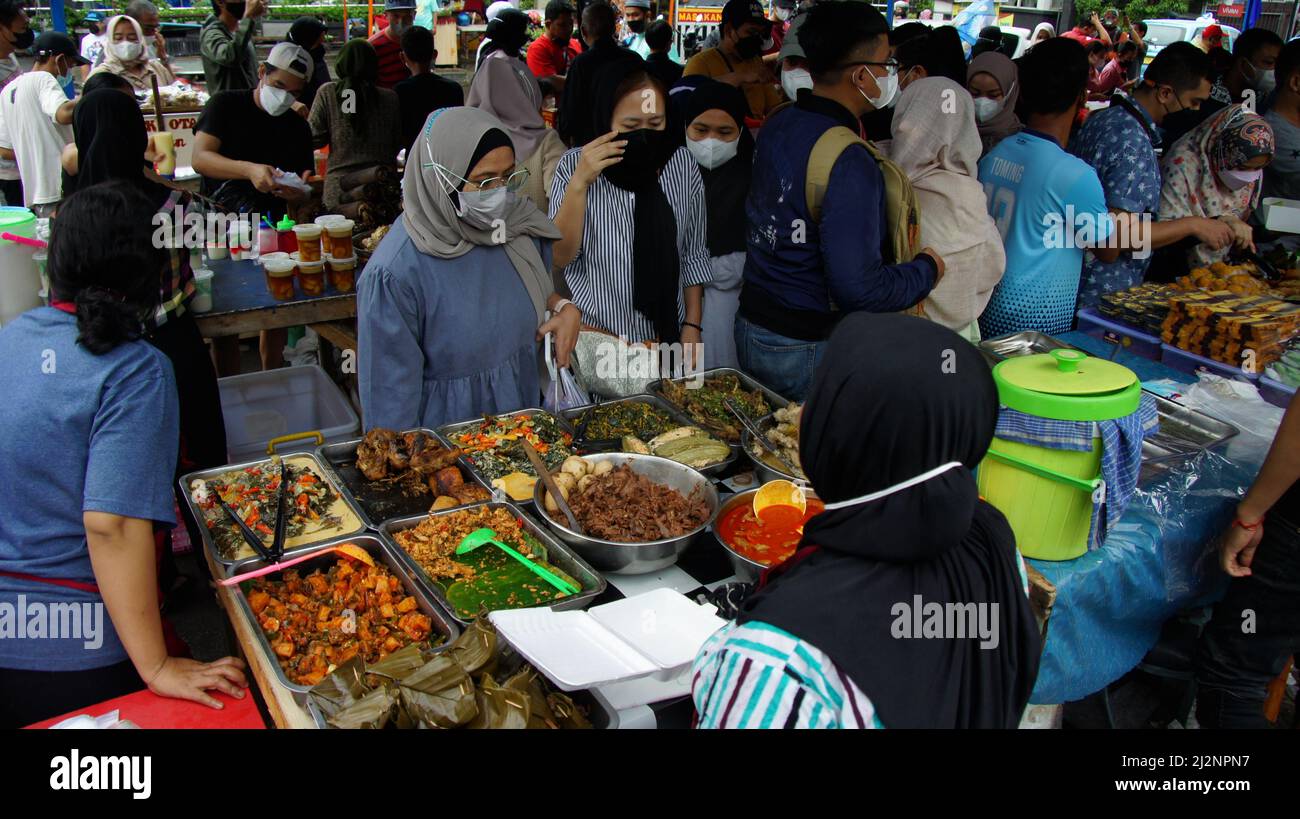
285,240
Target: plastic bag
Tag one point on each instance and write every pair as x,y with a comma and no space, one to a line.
1239,403
563,392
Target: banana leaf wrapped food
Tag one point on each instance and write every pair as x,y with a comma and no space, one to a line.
477,682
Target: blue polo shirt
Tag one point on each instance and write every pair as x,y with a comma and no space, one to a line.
78,433
1119,143
1044,201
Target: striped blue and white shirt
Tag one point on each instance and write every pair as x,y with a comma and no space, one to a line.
758,676
600,276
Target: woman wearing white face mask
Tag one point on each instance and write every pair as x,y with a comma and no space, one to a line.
993,82
125,55
722,146
453,302
1214,171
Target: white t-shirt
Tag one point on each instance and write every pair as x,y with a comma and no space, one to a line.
92,48
10,70
27,127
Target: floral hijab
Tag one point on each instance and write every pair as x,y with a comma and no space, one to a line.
1192,184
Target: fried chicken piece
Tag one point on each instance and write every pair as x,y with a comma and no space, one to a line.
447,479
470,493
372,453
433,458
399,457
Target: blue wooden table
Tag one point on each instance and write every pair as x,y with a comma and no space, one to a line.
241,303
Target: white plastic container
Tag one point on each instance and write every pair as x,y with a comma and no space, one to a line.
261,406
20,279
1280,215
656,634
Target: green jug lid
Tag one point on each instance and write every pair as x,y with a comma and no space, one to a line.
285,224
1068,385
15,217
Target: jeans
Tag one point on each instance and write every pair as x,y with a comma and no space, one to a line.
786,365
1234,664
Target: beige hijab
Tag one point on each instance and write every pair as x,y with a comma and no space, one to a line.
138,70
936,144
449,138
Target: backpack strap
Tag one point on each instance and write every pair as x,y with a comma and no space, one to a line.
824,154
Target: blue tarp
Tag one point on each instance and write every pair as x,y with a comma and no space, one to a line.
1158,561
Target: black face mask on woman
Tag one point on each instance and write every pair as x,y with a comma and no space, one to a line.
645,153
24,40
636,26
236,9
749,47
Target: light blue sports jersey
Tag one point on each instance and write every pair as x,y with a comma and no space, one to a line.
1047,205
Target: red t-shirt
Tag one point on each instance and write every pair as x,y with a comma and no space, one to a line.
1109,79
391,68
1078,36
546,58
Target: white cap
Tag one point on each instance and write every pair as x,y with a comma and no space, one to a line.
291,58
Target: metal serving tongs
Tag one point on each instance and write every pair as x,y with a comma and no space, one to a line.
275,552
594,444
760,437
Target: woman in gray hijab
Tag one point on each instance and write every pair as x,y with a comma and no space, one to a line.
454,300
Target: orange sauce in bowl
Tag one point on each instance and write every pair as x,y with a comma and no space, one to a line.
770,539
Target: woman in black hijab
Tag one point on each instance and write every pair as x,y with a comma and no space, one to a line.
111,140
900,414
716,136
309,33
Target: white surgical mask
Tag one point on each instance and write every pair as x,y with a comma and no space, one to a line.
482,209
986,109
888,90
1264,82
150,51
792,79
275,100
783,14
1236,180
896,488
126,50
712,153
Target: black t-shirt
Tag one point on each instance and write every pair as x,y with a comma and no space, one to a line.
249,134
1288,508
422,94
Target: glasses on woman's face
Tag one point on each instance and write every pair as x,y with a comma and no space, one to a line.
512,183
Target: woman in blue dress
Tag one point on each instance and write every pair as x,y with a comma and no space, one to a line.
453,302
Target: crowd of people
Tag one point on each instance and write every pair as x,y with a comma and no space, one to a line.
756,206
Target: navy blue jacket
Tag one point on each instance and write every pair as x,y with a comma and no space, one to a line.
801,276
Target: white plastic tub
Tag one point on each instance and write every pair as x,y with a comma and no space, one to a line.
1280,215
20,281
260,407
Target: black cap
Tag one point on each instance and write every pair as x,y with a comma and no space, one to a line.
54,43
739,12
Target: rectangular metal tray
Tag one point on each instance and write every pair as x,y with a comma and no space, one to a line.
592,582
773,398
341,458
1183,431
443,622
320,468
573,416
445,432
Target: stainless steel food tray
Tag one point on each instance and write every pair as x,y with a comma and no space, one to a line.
763,471
445,432
573,416
773,398
593,584
1183,431
321,469
335,456
443,622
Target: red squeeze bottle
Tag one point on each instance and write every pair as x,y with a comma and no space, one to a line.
285,239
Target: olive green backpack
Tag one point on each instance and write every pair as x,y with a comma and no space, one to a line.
902,215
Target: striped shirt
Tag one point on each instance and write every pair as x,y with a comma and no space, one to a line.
600,276
391,68
758,676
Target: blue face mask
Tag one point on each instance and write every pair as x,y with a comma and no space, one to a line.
67,82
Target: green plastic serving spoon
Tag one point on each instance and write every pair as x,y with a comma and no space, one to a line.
480,537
